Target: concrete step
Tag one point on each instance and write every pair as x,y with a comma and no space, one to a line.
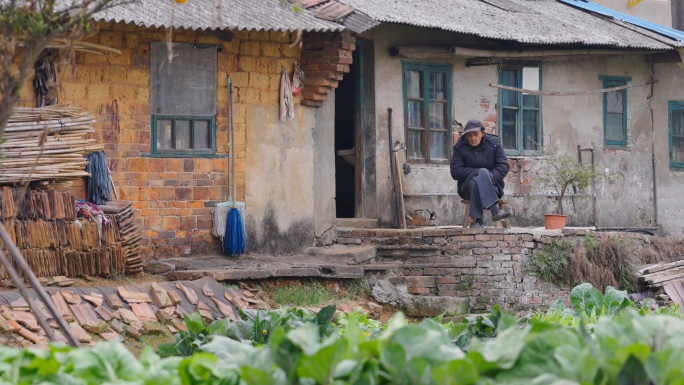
353,255
359,223
408,251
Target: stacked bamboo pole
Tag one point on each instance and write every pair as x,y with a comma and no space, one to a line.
46,144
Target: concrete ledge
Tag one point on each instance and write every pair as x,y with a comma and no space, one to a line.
432,306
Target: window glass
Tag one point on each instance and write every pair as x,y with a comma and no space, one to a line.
164,129
182,133
530,130
414,84
201,135
437,116
437,147
415,144
415,114
677,132
614,102
509,132
437,86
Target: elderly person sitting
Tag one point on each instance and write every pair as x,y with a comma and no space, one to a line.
479,165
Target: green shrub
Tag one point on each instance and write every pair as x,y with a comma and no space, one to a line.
551,261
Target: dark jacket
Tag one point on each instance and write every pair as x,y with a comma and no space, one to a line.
466,160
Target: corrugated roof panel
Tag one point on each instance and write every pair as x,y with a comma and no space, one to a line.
333,11
358,22
593,7
551,23
269,15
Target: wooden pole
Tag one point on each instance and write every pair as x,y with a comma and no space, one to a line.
40,291
571,93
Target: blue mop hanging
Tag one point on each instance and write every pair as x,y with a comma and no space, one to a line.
234,240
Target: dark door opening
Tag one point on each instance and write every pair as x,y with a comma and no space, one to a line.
345,146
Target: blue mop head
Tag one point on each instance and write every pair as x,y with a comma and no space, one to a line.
234,240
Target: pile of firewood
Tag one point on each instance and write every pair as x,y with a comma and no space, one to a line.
122,214
46,144
665,281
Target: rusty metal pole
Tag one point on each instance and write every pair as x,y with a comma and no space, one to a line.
40,291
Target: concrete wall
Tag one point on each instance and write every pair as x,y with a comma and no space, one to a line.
624,199
657,11
670,181
279,210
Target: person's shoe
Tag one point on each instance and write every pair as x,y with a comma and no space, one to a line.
501,215
477,225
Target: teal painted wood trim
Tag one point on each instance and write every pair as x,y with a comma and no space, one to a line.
673,106
609,82
158,153
519,140
426,69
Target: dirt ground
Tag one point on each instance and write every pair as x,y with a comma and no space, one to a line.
307,293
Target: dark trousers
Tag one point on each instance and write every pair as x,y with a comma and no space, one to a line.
482,193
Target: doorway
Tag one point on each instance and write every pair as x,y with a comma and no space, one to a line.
345,144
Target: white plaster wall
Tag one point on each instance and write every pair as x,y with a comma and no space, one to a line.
657,11
279,216
624,200
670,181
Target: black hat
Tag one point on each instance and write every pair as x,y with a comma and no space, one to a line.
473,125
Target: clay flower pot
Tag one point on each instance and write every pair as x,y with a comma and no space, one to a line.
554,221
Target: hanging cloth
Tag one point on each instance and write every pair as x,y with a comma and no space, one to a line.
45,76
99,182
286,99
298,77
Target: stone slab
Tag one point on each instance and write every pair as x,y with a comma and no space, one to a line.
432,306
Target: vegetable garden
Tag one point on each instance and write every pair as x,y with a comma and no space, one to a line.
599,339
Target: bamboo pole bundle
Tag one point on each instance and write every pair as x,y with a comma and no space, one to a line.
47,145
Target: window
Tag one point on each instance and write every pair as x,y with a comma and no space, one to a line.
520,113
615,111
427,112
676,110
183,100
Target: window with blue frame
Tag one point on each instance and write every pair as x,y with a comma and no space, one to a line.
427,112
520,125
676,118
615,111
183,100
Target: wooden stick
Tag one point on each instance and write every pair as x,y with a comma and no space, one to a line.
571,93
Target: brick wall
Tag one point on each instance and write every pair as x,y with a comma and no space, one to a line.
173,197
326,58
485,265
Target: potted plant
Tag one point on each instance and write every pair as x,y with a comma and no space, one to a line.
560,173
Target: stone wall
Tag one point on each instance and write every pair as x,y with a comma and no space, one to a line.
486,266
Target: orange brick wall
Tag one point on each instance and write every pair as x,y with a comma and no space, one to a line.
173,197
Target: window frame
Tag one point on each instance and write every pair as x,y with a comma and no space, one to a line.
673,106
156,152
519,140
610,82
425,69
170,153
